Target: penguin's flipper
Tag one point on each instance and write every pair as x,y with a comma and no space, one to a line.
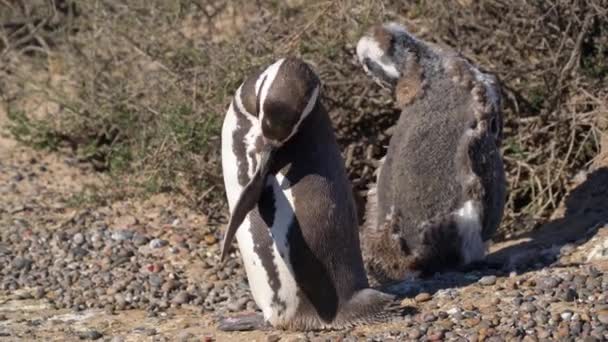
248,199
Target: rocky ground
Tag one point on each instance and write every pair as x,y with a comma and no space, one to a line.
73,267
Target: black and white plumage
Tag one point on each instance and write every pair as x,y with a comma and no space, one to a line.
440,190
291,203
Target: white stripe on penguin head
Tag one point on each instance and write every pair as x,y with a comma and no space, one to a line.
307,110
261,90
241,107
368,48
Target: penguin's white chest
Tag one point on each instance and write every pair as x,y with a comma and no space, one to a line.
274,290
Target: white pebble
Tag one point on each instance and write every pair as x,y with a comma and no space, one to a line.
453,311
158,243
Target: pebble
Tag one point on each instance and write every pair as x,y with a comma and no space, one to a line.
528,307
210,239
185,336
145,331
22,263
273,338
414,333
238,305
78,239
429,317
139,239
181,297
547,283
453,311
155,280
570,295
487,280
122,235
566,315
90,335
158,243
423,297
602,316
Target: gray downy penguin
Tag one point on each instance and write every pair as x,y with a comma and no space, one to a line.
440,189
291,204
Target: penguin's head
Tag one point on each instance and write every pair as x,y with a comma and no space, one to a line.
408,66
384,50
286,93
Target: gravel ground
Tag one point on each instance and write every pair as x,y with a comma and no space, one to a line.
148,270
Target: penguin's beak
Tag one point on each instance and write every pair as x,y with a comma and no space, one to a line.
249,197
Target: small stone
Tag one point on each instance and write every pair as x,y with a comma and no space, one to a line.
471,322
39,292
210,239
78,239
602,316
563,330
154,268
158,243
140,239
446,324
79,252
423,297
185,336
121,235
570,295
453,311
120,301
435,335
429,317
414,333
22,263
566,315
543,333
528,307
238,305
145,331
90,335
487,280
547,283
181,297
567,249
155,280
273,338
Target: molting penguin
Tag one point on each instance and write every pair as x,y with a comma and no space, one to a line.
292,209
440,188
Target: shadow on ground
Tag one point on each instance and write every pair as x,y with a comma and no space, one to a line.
584,213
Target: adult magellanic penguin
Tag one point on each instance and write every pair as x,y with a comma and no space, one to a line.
291,204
